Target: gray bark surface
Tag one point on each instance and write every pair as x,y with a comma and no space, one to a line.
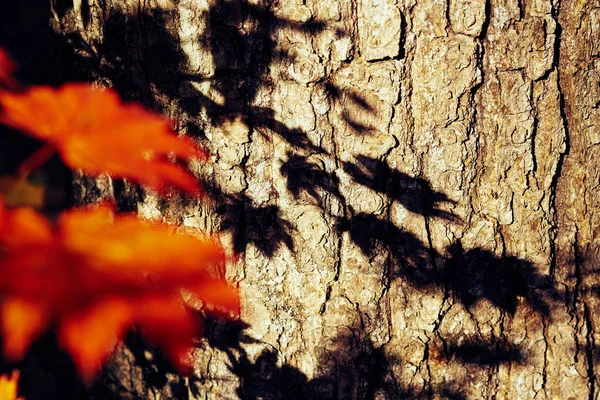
410,190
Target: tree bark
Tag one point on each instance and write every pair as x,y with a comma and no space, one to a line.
409,188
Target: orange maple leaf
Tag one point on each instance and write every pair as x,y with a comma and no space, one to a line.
93,130
8,386
93,275
7,67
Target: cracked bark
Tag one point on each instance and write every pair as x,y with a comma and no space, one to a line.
410,188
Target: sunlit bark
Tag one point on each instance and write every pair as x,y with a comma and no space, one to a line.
410,188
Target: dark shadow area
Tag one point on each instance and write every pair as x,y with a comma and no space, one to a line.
149,370
468,275
306,178
486,353
141,57
261,226
27,36
263,377
409,255
352,368
53,178
505,281
47,372
351,99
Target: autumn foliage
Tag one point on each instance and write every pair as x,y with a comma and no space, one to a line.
92,274
8,386
83,274
95,132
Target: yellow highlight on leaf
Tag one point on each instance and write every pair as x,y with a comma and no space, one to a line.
8,386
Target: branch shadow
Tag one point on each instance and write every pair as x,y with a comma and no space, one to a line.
469,275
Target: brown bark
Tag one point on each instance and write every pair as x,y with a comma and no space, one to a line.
410,187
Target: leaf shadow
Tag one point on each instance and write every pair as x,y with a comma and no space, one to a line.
259,225
415,194
486,353
469,275
352,367
308,177
352,103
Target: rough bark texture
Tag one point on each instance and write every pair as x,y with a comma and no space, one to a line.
410,188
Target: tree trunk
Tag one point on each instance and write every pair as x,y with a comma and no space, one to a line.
409,188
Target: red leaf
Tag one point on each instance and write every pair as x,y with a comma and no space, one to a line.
93,130
94,275
7,68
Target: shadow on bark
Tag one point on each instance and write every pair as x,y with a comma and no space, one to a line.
352,367
261,226
469,275
415,194
143,59
144,369
486,353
